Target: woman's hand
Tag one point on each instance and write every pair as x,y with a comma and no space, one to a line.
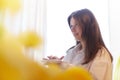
53,58
58,61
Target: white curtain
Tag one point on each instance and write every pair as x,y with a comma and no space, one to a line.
31,16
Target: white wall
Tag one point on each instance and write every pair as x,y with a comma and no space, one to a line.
115,29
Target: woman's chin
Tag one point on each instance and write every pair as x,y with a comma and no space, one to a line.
77,39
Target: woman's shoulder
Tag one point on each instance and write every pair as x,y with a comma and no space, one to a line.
103,55
102,64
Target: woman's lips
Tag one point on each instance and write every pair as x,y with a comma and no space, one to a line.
75,34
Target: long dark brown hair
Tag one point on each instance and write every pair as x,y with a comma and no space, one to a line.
90,33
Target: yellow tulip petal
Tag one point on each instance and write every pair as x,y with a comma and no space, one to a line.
2,30
30,39
14,5
14,65
117,70
3,4
75,73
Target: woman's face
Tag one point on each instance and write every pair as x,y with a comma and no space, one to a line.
76,29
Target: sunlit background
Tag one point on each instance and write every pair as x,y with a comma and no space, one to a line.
49,18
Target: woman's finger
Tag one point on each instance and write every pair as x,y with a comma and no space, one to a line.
50,57
61,57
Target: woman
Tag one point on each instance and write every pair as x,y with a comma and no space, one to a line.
90,51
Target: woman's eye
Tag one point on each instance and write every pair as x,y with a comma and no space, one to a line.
76,25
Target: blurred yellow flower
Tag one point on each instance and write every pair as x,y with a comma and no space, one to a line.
12,5
2,30
53,70
117,70
13,64
3,4
74,73
30,39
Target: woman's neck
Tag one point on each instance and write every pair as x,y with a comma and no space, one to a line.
82,44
